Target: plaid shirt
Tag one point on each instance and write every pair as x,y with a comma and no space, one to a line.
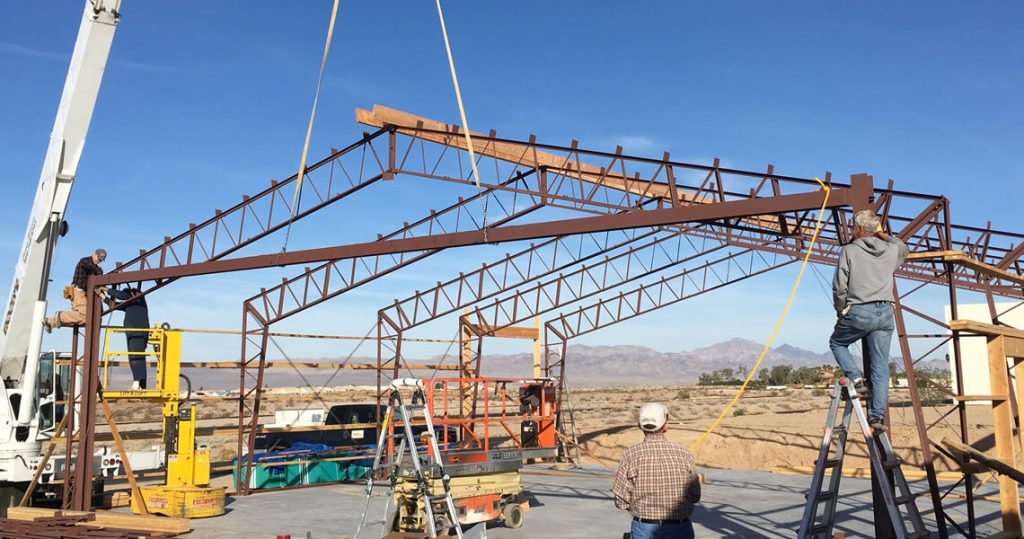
83,270
656,480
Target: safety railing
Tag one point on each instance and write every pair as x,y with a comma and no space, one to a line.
486,410
159,342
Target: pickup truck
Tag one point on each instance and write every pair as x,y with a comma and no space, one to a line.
340,414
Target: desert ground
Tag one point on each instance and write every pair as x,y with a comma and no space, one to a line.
765,430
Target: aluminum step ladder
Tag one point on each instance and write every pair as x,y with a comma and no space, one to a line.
820,511
399,412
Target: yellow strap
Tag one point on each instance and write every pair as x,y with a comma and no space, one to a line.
462,114
309,128
778,325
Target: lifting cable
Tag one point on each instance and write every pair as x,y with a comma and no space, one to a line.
309,129
778,325
462,114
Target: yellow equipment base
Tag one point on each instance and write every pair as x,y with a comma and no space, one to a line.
478,498
188,502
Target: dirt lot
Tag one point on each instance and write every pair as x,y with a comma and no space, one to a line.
764,430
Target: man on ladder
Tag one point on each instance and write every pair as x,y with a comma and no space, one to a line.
862,295
863,299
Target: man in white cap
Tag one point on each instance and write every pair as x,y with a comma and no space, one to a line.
656,481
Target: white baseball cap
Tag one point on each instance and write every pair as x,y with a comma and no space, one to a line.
653,416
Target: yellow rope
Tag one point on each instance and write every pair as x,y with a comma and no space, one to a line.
462,114
778,325
309,129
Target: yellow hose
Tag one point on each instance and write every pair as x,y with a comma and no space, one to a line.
778,325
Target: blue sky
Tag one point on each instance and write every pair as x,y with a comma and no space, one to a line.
203,102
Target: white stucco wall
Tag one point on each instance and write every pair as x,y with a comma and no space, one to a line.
974,350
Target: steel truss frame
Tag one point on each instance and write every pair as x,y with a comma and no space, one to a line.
930,235
625,184
663,216
732,209
531,185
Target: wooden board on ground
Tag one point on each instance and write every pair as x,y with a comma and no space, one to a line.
911,475
109,519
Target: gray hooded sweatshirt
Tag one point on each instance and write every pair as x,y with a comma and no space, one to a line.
864,272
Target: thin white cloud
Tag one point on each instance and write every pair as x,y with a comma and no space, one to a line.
130,65
14,49
631,144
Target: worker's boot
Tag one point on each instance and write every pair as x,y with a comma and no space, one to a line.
860,385
136,385
877,425
47,326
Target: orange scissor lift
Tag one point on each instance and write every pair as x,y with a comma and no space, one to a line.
486,429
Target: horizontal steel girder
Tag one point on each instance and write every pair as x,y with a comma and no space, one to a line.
656,217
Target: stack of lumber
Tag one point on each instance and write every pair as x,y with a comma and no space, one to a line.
36,520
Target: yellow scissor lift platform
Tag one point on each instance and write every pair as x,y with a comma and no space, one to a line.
186,492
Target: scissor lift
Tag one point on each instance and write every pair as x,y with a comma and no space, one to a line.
186,491
481,451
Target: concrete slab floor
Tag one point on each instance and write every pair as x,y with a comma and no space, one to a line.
735,504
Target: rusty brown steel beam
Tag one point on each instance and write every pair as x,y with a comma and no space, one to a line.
427,310
80,489
573,163
649,218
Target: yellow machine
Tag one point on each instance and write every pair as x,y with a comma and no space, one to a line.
478,498
186,491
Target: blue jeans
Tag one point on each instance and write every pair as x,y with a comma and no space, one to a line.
641,530
873,321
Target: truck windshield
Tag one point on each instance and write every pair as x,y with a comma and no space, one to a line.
46,378
49,412
363,414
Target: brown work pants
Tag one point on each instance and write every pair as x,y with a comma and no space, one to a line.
74,317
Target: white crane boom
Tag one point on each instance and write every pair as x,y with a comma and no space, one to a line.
21,330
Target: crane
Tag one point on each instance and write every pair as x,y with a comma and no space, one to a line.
21,329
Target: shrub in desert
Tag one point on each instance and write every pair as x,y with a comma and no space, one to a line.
223,454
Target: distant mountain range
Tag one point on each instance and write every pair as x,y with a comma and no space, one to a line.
587,366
